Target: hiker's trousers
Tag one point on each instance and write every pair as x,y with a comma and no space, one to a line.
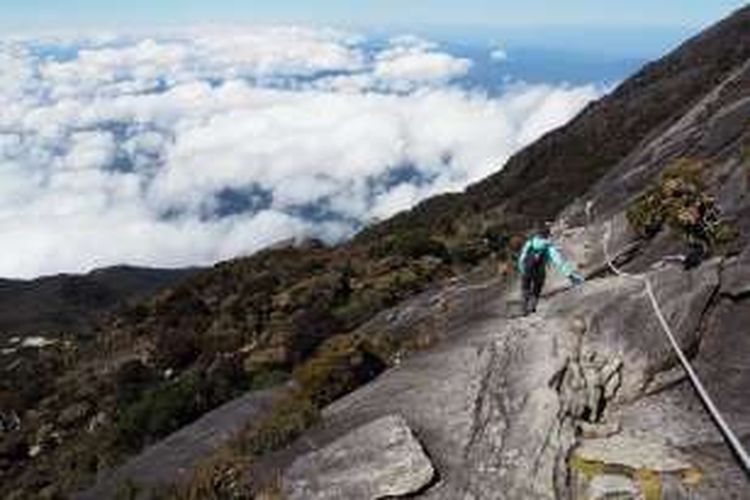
532,284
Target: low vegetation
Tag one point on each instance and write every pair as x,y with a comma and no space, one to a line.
284,314
679,200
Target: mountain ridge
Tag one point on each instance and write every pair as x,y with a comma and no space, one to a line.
520,191
330,319
69,302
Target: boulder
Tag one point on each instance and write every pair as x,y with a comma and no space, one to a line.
380,459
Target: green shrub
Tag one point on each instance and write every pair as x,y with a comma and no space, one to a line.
724,234
176,349
219,477
680,186
265,379
646,216
165,408
497,237
469,253
291,415
223,474
402,283
688,170
158,412
411,244
361,306
131,379
339,366
310,327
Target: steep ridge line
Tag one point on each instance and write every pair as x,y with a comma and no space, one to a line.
729,435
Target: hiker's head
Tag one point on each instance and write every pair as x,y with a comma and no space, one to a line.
543,230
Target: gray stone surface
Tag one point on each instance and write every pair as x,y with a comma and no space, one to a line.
172,460
380,459
612,487
736,276
504,405
727,125
501,408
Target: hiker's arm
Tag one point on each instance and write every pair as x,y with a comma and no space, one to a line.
564,267
522,257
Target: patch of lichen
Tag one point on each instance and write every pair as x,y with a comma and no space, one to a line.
649,481
589,468
691,476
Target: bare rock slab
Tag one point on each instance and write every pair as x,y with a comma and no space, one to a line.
381,459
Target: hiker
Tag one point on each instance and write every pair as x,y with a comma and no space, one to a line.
537,251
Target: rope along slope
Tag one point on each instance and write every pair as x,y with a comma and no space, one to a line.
716,415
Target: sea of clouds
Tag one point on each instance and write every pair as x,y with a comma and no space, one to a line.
191,147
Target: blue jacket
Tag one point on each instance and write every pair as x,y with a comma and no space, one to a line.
540,244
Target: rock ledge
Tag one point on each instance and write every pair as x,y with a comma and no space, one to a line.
380,459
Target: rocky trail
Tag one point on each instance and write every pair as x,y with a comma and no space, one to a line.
581,400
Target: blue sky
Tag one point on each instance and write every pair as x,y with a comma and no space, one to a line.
630,13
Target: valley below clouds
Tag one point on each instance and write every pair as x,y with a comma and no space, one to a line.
186,148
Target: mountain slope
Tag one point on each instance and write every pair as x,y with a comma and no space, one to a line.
333,319
586,398
540,180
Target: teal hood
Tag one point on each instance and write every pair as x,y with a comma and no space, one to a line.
541,244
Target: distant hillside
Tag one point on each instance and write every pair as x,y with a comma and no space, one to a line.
69,303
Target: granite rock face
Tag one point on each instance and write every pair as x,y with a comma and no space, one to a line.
378,460
582,400
586,399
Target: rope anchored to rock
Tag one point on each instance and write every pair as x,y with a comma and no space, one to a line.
716,415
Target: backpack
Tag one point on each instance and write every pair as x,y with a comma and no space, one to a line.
536,259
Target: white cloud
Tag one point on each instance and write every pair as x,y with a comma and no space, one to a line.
90,150
410,59
420,66
181,150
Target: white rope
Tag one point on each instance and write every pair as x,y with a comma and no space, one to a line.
729,435
469,288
